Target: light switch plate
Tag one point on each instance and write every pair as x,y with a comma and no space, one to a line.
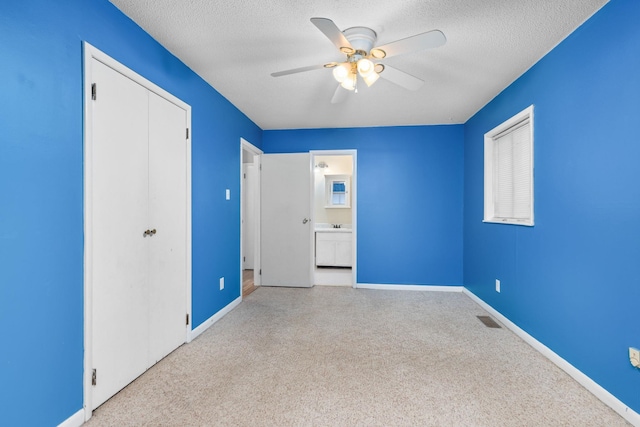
228,194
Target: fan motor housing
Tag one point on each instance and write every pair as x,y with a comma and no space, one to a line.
361,38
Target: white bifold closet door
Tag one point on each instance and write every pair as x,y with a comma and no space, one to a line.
168,215
139,183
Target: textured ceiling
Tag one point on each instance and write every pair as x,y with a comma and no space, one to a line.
236,45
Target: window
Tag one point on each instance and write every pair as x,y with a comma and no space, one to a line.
508,171
337,191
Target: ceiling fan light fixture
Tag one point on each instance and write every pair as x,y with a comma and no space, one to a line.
357,43
350,82
340,73
371,78
365,67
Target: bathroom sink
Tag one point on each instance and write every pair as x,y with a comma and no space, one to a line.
333,230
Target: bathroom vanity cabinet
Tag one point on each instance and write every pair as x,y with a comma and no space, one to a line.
333,248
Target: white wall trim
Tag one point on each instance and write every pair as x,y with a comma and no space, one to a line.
257,265
75,420
423,288
213,319
596,389
490,167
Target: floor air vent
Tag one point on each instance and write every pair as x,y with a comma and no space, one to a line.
489,322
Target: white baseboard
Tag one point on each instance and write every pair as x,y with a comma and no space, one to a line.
424,288
75,420
335,285
596,389
213,319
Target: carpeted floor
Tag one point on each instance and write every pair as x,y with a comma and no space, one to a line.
330,356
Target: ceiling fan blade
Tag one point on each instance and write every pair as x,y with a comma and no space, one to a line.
332,32
423,41
297,70
401,78
340,95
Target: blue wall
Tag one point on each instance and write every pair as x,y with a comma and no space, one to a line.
409,198
573,280
41,192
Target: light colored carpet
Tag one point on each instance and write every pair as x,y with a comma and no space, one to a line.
330,356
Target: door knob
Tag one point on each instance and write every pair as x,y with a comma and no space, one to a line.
306,220
149,233
152,232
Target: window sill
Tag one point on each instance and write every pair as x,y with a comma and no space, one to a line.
509,221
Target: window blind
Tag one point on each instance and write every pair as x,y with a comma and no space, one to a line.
512,173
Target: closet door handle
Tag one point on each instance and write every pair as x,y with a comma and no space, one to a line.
149,233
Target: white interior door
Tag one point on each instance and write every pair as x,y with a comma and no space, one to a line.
168,217
286,220
119,217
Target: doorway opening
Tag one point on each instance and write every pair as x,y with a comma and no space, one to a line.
249,217
334,217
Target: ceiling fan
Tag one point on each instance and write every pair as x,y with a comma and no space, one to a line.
357,43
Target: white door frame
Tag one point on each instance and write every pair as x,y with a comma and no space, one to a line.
354,204
91,53
247,146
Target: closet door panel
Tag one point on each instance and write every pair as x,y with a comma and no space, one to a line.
119,217
167,215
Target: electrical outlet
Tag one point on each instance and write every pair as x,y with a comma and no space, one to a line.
497,285
221,283
634,357
228,194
